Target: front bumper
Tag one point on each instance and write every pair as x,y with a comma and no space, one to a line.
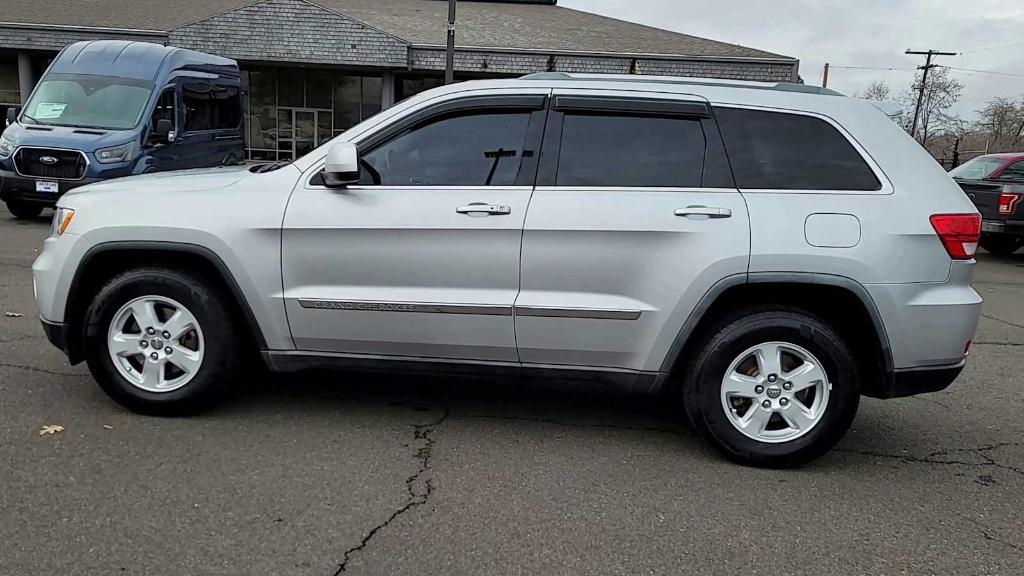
56,333
15,187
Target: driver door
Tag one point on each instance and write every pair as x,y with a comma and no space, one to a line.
421,259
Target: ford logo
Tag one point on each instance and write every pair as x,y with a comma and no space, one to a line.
48,160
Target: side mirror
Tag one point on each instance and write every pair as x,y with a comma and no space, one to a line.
164,130
12,114
341,167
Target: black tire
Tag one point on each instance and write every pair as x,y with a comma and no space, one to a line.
223,336
726,341
1001,244
24,210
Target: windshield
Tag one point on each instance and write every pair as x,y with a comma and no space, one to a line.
977,169
88,101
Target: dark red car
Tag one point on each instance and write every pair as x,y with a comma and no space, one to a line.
995,183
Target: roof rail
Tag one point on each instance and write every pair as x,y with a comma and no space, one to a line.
680,80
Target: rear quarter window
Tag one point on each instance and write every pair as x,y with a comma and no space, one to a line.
782,151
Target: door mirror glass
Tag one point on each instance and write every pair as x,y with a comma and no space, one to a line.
12,114
342,165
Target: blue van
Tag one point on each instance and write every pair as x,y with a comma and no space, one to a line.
111,108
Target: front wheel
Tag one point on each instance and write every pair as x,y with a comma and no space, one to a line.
24,210
772,387
161,341
1001,244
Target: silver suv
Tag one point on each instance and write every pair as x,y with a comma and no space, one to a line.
767,253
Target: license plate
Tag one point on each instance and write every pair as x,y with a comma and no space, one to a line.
47,186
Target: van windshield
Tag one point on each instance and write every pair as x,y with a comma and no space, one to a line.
86,101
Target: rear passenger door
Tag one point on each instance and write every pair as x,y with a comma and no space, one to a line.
635,216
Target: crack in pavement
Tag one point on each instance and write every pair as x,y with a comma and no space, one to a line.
570,424
933,401
997,344
944,457
985,533
991,317
38,369
417,494
20,339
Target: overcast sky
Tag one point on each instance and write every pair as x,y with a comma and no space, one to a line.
989,34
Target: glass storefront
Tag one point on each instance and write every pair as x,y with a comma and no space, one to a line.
290,111
10,94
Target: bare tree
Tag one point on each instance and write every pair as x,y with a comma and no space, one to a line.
941,92
878,91
1003,121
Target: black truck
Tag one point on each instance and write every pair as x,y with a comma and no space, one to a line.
995,183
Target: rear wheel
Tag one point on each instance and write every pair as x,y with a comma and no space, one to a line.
161,341
772,387
25,210
1001,244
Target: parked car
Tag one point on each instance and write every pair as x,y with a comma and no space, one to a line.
995,183
109,108
764,253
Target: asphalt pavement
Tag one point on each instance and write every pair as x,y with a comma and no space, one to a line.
372,474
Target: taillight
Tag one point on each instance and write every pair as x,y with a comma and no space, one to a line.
959,233
1008,202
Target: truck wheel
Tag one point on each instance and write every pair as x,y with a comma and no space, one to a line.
772,387
162,341
24,210
1001,244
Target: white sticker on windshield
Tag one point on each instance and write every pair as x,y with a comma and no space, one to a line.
46,110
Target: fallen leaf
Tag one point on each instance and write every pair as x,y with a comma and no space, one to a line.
51,429
108,427
13,314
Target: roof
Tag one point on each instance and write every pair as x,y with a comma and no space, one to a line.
140,60
682,80
418,22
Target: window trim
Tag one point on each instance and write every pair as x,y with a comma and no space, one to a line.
886,187
534,104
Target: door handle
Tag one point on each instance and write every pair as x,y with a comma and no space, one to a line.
478,209
704,211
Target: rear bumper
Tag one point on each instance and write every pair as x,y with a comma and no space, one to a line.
1009,227
14,187
902,383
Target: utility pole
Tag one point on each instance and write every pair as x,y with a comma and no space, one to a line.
449,67
924,81
824,77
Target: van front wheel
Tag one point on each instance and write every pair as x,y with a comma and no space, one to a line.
24,210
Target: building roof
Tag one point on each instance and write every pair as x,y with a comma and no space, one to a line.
418,22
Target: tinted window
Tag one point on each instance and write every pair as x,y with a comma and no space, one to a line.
609,150
779,151
211,108
474,149
1014,172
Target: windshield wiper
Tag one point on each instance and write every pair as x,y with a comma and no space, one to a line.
36,120
261,168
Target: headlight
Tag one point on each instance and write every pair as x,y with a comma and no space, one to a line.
121,153
61,220
6,147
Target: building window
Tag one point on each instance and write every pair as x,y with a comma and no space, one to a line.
290,111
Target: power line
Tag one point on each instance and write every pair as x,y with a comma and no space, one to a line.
982,71
872,68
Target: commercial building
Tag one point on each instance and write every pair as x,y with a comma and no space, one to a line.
314,68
